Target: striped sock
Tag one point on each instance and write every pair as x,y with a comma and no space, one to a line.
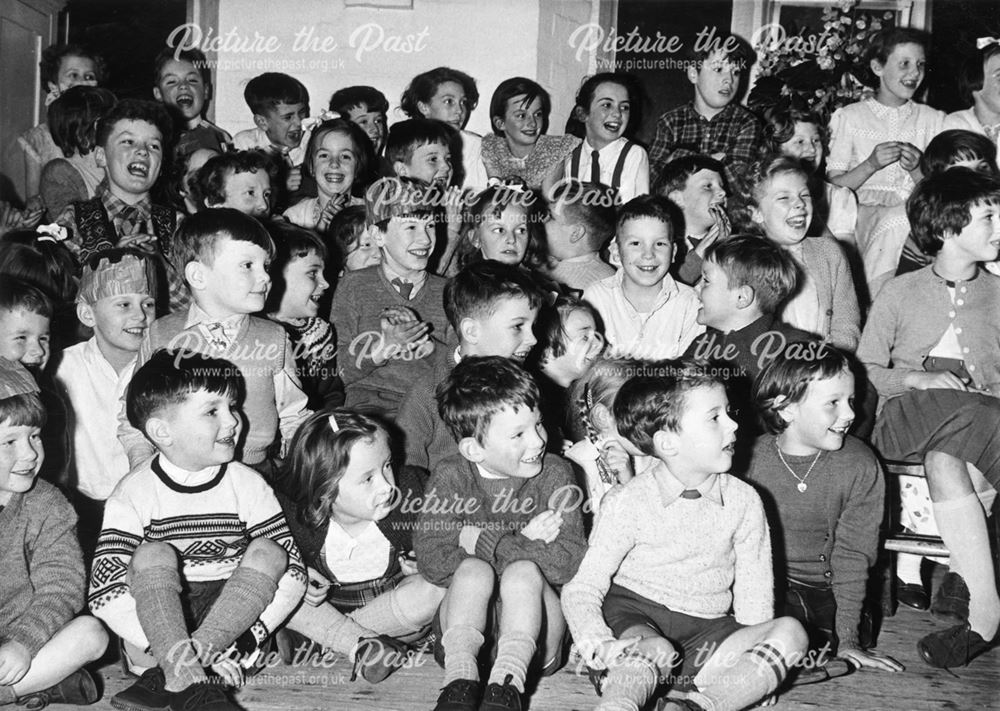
755,674
630,683
514,653
461,644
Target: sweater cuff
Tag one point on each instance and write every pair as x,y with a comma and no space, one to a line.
33,640
486,544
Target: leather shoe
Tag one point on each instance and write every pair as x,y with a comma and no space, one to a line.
953,647
912,595
951,601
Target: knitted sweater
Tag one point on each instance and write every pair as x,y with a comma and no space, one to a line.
457,495
41,588
580,272
827,534
702,557
361,298
912,313
210,517
426,438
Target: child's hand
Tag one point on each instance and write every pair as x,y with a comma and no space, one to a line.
337,203
599,655
618,460
401,330
884,154
10,218
719,232
543,527
15,660
32,213
294,180
468,537
140,241
943,380
317,588
909,156
227,666
409,565
861,658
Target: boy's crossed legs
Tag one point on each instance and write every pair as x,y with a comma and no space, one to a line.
463,615
154,579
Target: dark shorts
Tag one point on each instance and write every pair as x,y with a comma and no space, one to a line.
197,599
816,608
694,638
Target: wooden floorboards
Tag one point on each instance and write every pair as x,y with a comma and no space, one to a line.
919,688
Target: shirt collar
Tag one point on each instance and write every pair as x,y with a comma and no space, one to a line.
389,273
887,112
197,316
670,487
668,287
184,477
115,205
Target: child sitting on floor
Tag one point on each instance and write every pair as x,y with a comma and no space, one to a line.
824,495
515,553
44,645
673,552
347,509
192,514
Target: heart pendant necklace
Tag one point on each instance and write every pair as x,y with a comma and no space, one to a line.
801,486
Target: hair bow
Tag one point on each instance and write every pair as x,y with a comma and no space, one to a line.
51,233
984,42
325,115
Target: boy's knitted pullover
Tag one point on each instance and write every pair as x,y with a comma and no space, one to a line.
274,404
210,517
912,313
827,534
457,495
426,438
42,586
701,557
358,304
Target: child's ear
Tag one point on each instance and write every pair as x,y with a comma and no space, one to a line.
602,418
578,232
498,123
692,73
468,329
158,431
783,408
676,197
877,67
745,296
471,449
157,94
579,113
401,169
756,215
260,121
423,107
194,274
52,87
377,236
614,255
85,313
664,443
99,157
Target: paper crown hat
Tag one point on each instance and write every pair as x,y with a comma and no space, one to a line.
15,379
114,275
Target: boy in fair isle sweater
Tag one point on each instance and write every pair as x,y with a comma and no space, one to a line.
43,645
672,552
387,315
192,536
224,254
512,534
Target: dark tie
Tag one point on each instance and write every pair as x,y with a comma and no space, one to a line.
595,168
130,220
404,288
690,494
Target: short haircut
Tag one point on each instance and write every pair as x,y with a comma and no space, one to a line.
780,118
955,145
476,290
193,56
345,230
883,43
589,204
407,136
354,97
550,326
364,151
198,236
424,86
169,377
19,295
25,410
318,457
52,58
514,87
677,172
211,179
940,204
477,389
748,260
786,379
738,51
647,404
265,91
973,72
654,207
73,118
152,112
291,242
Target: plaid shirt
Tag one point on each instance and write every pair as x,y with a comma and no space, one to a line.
683,131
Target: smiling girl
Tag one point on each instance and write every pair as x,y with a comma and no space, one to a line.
505,223
519,113
606,108
875,149
339,157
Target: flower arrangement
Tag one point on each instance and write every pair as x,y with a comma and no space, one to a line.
822,72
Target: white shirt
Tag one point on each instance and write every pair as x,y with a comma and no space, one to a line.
94,390
664,332
472,161
256,139
635,172
355,560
